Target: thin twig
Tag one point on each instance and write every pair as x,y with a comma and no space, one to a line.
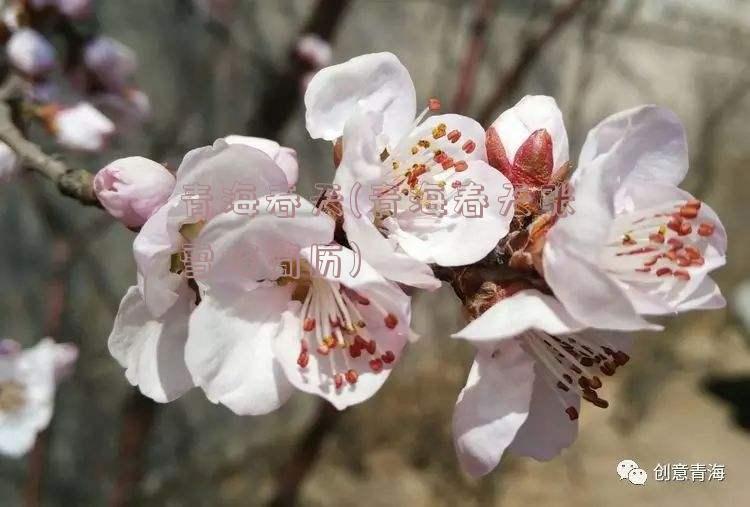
75,183
281,97
526,58
473,55
305,455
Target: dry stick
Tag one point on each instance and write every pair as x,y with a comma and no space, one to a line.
526,58
473,56
282,97
304,456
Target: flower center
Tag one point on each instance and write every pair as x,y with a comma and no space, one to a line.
577,363
665,243
334,328
12,396
420,163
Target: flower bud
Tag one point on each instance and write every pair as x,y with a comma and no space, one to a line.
30,53
82,127
9,166
112,62
132,189
74,9
285,158
314,50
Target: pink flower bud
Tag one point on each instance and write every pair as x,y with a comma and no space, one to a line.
9,166
314,50
112,62
30,53
74,9
132,189
82,127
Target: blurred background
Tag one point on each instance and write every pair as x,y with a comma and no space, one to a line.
218,67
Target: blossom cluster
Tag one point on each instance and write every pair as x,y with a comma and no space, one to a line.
80,100
548,329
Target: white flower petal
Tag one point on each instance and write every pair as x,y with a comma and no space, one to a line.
247,249
492,407
285,158
525,310
152,349
229,349
548,428
375,82
647,143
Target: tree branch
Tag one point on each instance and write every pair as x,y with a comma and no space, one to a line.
526,58
75,183
473,55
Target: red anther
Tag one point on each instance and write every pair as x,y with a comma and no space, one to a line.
621,358
371,347
362,300
355,351
643,270
376,365
562,386
309,324
698,262
447,163
671,255
434,104
454,135
323,350
596,382
360,342
303,359
352,376
391,321
675,223
456,184
440,157
682,274
653,260
688,211
388,357
656,237
696,203
338,380
572,413
460,166
334,342
675,243
685,229
683,261
663,271
469,146
692,252
706,229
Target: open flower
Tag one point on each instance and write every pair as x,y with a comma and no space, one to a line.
151,326
27,390
132,189
534,363
29,52
427,194
633,243
284,307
